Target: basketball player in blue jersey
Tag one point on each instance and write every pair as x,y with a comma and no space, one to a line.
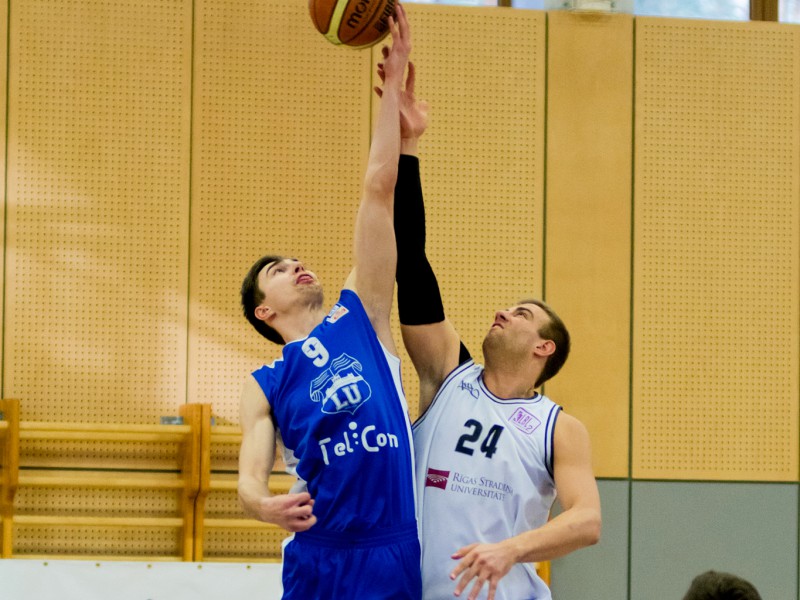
492,453
334,401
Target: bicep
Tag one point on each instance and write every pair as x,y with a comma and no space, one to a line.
572,468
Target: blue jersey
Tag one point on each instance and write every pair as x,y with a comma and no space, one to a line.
342,419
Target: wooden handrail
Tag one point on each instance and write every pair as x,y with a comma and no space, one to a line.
278,484
241,524
200,466
67,479
114,428
103,436
227,483
67,521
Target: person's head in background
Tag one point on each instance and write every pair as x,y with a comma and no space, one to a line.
714,585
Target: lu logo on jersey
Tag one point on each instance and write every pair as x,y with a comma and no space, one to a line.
340,387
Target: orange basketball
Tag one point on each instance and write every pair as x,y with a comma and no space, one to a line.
354,23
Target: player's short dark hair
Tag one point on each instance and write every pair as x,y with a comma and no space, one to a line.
252,297
715,585
556,331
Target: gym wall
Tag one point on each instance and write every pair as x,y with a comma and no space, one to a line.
640,174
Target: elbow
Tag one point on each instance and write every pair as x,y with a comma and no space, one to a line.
594,527
380,180
245,500
242,502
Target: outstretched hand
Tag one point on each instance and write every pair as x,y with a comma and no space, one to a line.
395,58
413,112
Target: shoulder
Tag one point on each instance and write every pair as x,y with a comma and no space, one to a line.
349,302
349,297
254,399
465,377
269,371
571,438
466,370
463,381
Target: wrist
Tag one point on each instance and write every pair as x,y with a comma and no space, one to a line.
409,146
516,549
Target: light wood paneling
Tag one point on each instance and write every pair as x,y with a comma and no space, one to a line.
97,229
716,303
589,138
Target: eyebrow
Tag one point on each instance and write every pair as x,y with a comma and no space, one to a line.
278,262
523,309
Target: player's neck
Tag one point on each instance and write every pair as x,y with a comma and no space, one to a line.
299,324
509,380
510,376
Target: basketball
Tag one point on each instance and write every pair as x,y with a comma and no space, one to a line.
353,23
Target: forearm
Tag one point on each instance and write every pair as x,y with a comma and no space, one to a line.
385,149
569,531
418,294
251,494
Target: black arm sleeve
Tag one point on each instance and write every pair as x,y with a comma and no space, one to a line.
418,297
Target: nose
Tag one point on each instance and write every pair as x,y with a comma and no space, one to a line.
501,315
298,267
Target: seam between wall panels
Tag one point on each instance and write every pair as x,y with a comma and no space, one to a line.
630,312
187,366
544,153
5,210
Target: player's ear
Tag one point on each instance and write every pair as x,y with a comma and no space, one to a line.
544,348
263,313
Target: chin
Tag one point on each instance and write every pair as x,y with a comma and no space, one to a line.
490,342
314,293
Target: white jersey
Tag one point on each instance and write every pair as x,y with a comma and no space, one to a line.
484,470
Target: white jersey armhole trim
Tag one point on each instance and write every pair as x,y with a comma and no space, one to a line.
549,443
466,365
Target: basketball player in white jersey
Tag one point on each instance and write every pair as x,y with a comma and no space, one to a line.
492,453
334,401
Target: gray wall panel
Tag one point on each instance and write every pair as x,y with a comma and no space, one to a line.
602,570
681,529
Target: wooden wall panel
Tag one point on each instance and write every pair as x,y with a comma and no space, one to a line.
716,302
587,268
97,229
3,108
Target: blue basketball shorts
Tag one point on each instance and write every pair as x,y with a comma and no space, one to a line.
378,565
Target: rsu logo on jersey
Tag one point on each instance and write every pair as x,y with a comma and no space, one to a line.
340,387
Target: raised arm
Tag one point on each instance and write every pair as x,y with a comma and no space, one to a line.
374,245
293,512
430,339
